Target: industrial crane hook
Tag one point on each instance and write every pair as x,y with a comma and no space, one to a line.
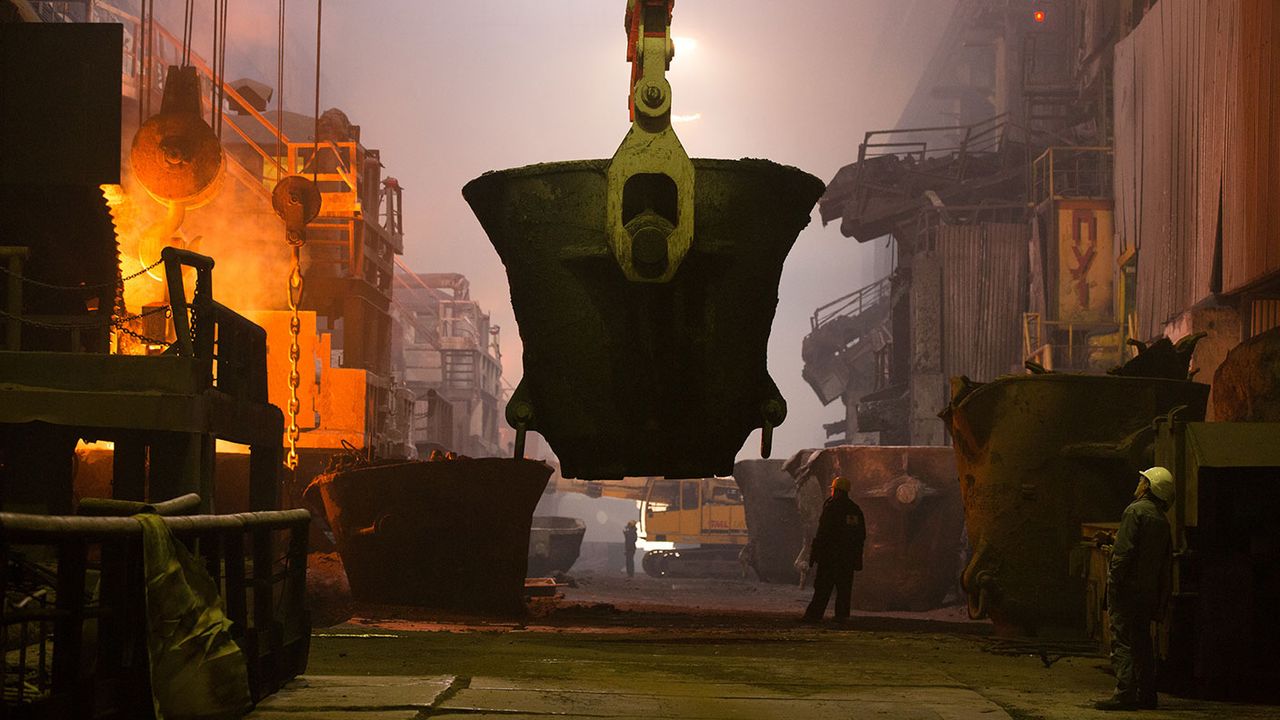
650,178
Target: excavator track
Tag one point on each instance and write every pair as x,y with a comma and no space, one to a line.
720,561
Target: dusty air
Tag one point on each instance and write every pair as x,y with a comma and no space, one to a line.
639,359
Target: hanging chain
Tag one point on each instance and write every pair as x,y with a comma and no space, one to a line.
295,353
84,288
295,238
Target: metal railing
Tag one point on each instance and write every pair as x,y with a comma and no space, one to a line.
982,137
335,166
95,325
1072,172
391,207
896,166
203,328
13,258
1072,346
74,611
855,303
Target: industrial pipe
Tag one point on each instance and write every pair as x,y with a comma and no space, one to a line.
23,527
110,507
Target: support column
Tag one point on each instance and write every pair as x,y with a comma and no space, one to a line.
928,390
182,463
264,476
129,468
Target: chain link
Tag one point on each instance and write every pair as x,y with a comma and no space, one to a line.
295,353
86,288
94,325
116,321
140,337
142,272
119,320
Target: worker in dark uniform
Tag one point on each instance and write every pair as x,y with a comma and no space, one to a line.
629,547
1138,582
837,551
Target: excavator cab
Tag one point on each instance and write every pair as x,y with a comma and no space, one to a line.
703,518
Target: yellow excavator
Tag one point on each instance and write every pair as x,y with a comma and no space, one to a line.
705,515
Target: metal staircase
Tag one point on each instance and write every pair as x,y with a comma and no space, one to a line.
843,337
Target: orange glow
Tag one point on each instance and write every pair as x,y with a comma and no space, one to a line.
226,447
1039,16
236,227
333,399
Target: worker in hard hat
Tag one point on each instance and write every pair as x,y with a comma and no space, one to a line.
1138,582
837,551
629,547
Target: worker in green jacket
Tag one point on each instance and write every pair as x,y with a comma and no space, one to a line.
1137,590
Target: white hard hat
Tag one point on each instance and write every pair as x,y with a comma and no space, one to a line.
1161,482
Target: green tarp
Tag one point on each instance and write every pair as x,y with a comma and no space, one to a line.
197,670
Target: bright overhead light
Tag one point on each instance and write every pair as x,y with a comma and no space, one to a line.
684,45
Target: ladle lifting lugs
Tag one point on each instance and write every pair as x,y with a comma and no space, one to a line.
645,287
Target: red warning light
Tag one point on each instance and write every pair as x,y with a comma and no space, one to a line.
1039,16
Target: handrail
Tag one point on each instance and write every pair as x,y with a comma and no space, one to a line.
37,528
111,507
1046,174
201,345
13,305
862,297
343,173
213,332
1038,343
992,124
262,592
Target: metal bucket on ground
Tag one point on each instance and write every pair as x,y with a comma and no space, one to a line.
909,496
451,534
554,544
1038,455
774,529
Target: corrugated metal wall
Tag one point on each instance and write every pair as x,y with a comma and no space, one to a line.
984,292
1251,220
1263,316
1197,96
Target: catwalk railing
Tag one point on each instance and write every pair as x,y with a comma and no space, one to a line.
1072,172
74,618
855,303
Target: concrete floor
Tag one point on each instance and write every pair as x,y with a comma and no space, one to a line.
580,658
